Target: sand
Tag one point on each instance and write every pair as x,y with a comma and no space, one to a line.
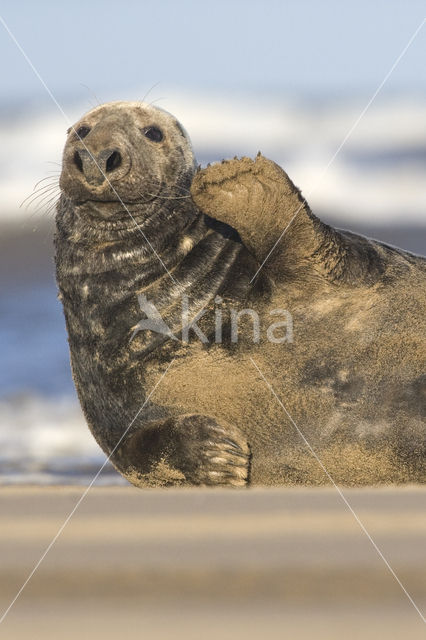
277,563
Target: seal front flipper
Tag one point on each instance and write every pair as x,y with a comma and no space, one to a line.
191,449
274,221
257,198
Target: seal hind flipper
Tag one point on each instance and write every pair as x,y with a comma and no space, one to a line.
189,449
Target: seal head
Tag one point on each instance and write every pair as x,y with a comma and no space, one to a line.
128,154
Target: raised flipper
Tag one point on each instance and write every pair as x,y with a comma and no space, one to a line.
258,199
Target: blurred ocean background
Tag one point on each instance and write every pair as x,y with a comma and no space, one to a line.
288,78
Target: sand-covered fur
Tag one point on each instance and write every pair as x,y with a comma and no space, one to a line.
346,359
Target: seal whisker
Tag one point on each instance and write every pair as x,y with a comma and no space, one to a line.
157,100
45,214
171,197
51,202
149,91
46,209
50,177
42,194
45,202
33,197
160,197
52,207
53,183
92,92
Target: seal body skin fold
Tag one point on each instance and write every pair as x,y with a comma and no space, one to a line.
197,411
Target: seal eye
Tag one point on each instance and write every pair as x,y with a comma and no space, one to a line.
82,132
153,133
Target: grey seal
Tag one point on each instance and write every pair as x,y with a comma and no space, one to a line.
139,228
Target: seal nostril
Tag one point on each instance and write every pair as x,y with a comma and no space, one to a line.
113,161
78,161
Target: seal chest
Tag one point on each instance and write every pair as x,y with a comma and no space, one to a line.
143,241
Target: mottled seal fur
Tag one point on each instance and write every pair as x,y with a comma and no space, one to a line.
350,377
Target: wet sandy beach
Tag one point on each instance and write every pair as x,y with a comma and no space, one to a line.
212,563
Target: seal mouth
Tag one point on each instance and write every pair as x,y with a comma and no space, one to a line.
122,219
117,201
120,203
112,211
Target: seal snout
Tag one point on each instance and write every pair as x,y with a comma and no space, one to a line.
97,167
